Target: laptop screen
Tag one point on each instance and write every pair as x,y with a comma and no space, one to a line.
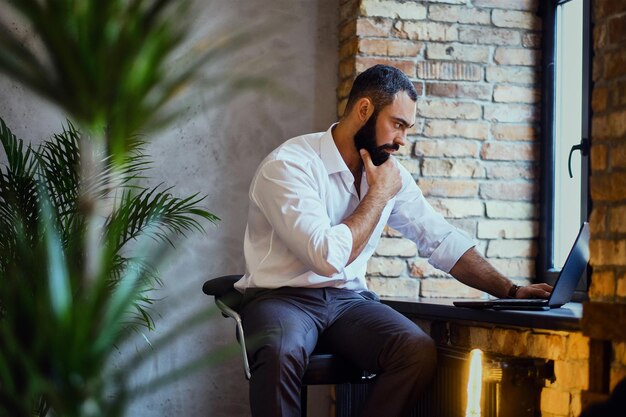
574,267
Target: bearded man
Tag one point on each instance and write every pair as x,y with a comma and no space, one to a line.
318,205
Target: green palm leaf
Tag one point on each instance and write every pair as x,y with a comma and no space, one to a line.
156,213
59,164
19,201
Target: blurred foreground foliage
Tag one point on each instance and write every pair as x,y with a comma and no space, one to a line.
80,239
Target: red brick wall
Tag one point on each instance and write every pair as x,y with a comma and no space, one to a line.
474,151
608,164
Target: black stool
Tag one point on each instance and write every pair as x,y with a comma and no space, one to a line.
323,368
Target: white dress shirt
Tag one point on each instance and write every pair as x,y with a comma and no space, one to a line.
299,196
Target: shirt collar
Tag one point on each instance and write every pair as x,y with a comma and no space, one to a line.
330,154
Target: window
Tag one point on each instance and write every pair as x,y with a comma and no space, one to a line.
565,133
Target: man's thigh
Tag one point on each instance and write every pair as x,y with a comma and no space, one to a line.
364,330
281,321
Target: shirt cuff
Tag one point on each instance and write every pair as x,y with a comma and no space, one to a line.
339,246
450,250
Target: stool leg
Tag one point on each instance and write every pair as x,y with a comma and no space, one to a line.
303,401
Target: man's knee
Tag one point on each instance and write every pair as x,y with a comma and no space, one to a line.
421,346
427,354
415,349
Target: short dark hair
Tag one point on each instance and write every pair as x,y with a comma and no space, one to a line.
380,84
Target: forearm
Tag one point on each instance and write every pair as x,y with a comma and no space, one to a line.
363,221
384,182
473,270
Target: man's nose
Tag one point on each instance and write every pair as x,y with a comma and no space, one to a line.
401,139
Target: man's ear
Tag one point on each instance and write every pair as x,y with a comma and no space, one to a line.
364,108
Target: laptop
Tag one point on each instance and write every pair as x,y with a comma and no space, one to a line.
564,287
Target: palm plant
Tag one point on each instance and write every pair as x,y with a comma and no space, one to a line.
77,232
42,234
50,174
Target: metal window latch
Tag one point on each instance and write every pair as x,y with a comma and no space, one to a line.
583,147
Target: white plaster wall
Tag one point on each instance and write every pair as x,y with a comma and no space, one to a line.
214,150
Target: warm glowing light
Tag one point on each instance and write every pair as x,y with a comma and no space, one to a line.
474,383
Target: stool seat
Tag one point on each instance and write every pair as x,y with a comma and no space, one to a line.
331,369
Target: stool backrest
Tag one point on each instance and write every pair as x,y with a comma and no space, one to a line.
222,288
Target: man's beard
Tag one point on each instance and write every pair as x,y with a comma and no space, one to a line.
365,138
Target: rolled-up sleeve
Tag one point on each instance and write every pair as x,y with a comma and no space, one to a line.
439,241
452,247
289,197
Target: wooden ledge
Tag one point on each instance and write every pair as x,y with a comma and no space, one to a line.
566,318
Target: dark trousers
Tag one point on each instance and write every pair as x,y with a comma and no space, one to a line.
283,326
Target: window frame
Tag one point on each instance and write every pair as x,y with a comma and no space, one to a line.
545,272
